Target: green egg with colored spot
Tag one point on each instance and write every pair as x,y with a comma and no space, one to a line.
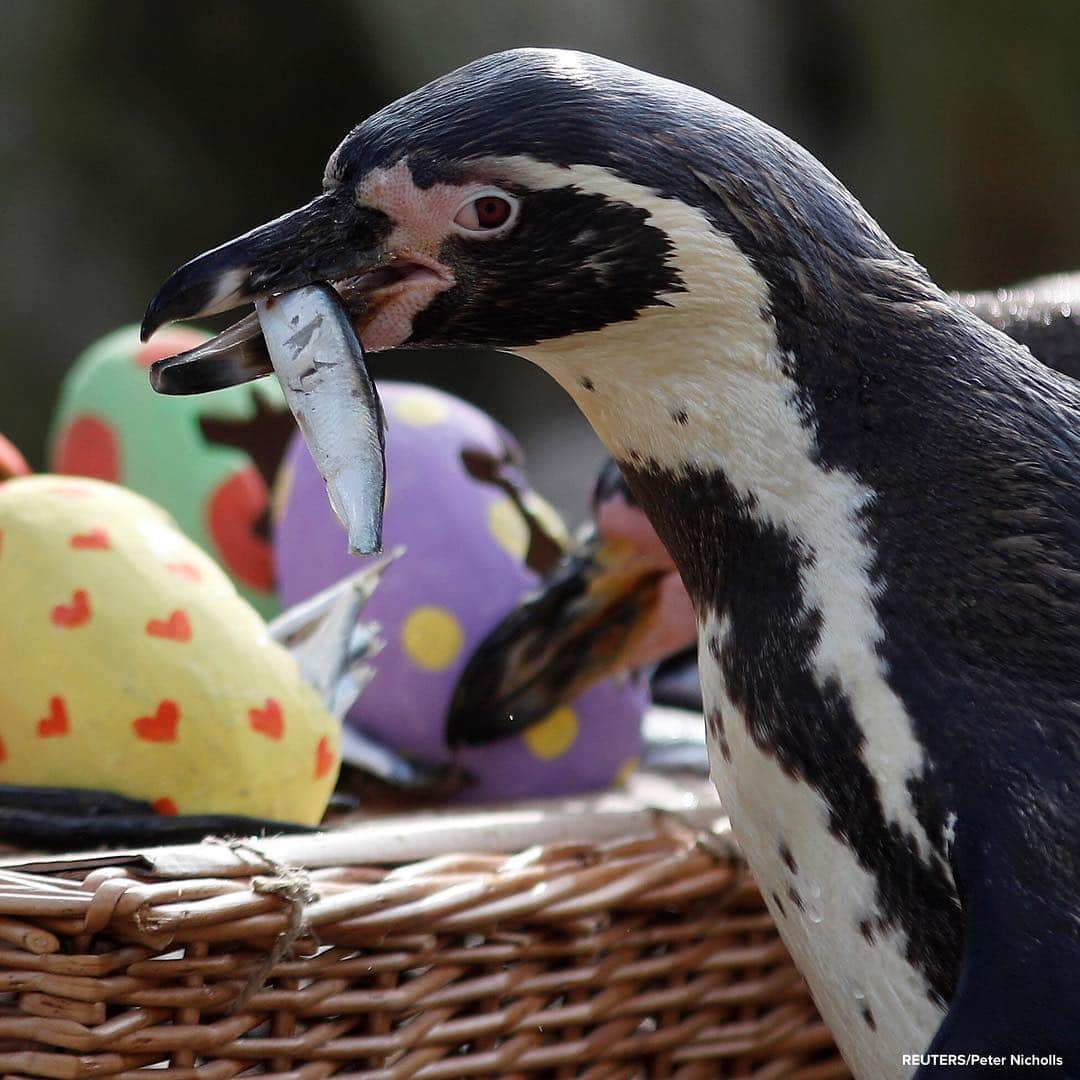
210,459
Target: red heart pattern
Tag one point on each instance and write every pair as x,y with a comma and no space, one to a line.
56,723
324,758
269,720
177,627
161,727
97,539
75,614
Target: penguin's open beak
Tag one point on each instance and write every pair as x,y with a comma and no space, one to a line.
588,620
330,239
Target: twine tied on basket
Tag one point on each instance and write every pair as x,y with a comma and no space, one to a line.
289,883
714,841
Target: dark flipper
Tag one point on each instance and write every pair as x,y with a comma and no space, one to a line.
1011,1012
1019,986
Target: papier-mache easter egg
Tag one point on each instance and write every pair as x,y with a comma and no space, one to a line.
209,460
477,538
132,666
12,463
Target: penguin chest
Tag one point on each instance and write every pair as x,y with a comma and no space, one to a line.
876,1004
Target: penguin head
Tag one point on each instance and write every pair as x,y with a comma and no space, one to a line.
531,197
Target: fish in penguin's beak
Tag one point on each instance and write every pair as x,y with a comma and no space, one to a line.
316,276
331,239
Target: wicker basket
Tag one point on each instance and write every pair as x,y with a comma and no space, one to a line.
588,938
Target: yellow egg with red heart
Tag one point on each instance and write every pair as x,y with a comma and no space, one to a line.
131,664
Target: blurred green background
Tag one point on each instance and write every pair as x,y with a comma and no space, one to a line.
134,135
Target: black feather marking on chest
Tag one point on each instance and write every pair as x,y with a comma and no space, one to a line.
752,578
973,452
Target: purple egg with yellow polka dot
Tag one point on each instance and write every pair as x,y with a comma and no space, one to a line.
477,538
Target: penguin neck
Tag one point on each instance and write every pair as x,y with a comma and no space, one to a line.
699,388
702,405
710,435
697,383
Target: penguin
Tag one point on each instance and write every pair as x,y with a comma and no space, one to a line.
871,495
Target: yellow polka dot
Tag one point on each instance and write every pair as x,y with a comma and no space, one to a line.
554,735
432,638
419,410
509,528
626,770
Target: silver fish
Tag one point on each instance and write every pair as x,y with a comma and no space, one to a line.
320,364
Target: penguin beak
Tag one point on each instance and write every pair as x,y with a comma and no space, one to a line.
585,623
330,239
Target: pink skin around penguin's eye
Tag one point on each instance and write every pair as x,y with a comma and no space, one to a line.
485,212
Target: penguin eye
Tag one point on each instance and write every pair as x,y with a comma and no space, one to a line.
487,212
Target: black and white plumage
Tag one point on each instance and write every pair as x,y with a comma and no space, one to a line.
611,607
872,496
